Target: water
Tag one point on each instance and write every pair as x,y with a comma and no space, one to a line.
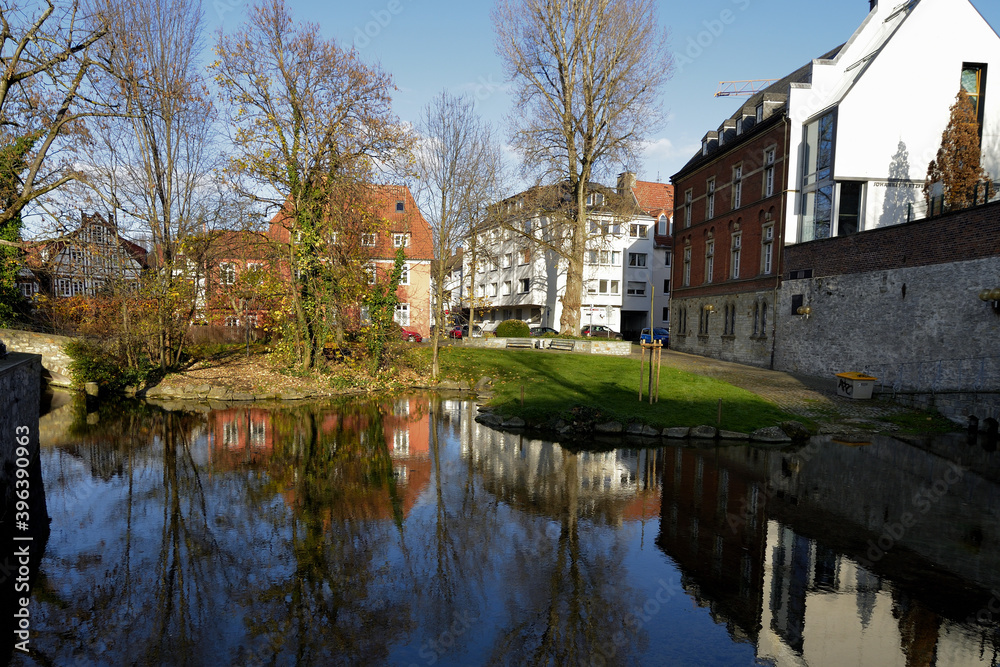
358,534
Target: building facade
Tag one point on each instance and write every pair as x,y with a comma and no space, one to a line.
832,149
520,274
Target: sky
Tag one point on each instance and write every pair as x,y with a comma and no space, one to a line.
431,45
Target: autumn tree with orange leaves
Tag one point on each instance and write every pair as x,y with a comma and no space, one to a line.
957,166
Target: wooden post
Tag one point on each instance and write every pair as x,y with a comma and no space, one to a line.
659,362
642,363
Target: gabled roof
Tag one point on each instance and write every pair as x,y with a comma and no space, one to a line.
654,198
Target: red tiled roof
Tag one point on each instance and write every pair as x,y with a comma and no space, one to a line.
655,197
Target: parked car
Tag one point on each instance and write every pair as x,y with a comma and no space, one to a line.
410,335
600,331
659,334
456,332
477,331
543,331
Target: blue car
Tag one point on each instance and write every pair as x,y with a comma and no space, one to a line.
659,334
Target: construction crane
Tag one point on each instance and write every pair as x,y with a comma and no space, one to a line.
741,88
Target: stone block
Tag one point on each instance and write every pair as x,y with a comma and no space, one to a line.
677,433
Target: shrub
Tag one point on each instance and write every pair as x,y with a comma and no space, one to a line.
90,362
513,329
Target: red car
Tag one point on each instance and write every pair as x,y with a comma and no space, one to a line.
410,335
455,333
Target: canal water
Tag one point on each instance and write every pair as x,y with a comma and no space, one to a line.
401,532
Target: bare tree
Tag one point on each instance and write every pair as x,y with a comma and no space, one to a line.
45,62
587,75
309,118
155,169
459,166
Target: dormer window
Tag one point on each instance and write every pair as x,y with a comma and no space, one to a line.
400,206
704,146
759,112
739,127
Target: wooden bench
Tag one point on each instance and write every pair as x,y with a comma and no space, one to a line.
562,344
521,342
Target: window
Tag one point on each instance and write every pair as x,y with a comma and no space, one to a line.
372,273
615,287
682,326
508,260
769,172
666,315
28,290
334,238
763,318
595,199
400,206
767,250
702,322
850,208
636,288
492,291
402,315
756,319
365,314
404,277
729,324
400,240
506,288
687,266
666,285
704,146
737,186
524,285
258,434
974,83
227,273
709,260
232,321
525,255
736,251
667,258
688,197
370,240
252,321
817,177
616,258
710,200
636,231
759,112
637,259
739,126
662,229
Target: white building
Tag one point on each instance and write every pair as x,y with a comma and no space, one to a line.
519,276
863,131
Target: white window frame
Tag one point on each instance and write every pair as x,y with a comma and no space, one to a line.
688,199
638,260
737,186
737,249
369,240
687,266
402,314
710,199
507,288
404,277
769,172
524,285
401,240
767,251
709,260
637,230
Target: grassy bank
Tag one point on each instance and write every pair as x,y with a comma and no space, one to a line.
556,384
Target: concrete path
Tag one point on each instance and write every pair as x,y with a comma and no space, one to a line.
808,396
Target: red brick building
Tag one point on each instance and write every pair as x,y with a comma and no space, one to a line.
727,233
400,225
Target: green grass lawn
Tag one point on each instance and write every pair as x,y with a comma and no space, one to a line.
555,384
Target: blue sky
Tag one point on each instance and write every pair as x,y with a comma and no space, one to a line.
429,45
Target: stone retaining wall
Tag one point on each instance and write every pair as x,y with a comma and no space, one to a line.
55,361
20,392
617,348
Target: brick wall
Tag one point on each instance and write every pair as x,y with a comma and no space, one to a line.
962,236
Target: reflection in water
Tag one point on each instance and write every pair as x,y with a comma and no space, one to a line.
402,532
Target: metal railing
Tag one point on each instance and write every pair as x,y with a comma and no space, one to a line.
984,192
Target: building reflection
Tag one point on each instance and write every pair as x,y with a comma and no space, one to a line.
804,553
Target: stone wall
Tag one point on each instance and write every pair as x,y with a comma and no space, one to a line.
20,392
747,344
902,304
55,361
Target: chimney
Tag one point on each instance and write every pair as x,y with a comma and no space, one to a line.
626,182
872,4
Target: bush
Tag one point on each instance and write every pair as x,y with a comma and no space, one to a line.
513,329
90,362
